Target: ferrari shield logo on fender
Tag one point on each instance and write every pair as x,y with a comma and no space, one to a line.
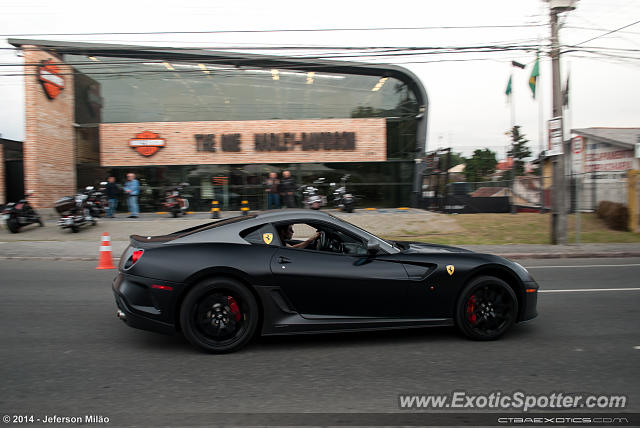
450,269
147,143
50,77
267,238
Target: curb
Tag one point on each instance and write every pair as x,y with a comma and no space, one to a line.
622,254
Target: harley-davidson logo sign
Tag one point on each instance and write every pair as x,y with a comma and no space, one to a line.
147,143
51,79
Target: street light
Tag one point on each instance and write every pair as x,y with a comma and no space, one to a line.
561,5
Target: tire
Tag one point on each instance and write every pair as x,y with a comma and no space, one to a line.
13,225
495,318
40,222
75,229
348,209
212,301
174,214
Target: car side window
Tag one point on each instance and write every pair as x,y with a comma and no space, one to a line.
264,234
330,239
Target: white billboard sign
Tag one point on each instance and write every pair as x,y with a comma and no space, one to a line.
555,137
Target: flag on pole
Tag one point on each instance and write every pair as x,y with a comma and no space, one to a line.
533,79
508,91
565,93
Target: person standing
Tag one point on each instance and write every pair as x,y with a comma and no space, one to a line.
287,189
113,193
132,189
273,197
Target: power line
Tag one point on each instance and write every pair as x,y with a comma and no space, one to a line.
307,30
607,33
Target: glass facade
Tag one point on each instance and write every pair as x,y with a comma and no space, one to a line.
115,90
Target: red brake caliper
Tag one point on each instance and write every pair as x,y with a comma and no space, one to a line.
471,306
233,305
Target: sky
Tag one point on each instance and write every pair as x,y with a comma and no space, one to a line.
468,108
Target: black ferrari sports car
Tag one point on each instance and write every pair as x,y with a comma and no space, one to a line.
304,271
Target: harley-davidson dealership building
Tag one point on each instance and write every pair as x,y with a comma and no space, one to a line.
219,121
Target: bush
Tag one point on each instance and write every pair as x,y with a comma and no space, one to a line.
615,215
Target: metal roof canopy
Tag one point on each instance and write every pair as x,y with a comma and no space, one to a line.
229,58
624,137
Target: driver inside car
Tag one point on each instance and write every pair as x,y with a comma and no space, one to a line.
285,232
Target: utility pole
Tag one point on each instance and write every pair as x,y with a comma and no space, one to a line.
559,189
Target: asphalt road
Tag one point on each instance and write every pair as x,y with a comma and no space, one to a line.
63,352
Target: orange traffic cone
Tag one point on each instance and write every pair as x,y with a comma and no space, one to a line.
105,261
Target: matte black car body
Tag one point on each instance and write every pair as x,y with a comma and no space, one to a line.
303,290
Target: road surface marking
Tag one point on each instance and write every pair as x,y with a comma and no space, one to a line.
580,266
578,290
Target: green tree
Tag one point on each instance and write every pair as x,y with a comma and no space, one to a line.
456,159
519,151
480,165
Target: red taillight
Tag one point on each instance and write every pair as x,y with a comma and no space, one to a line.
161,287
136,256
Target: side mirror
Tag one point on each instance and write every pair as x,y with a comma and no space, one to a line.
372,248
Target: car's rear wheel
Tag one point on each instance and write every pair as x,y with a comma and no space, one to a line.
219,315
486,309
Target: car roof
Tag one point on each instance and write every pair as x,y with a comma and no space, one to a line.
229,232
290,214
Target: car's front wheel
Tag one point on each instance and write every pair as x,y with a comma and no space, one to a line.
486,309
219,315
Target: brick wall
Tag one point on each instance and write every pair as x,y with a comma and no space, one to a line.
49,163
181,146
2,182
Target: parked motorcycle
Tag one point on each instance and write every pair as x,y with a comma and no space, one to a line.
97,200
311,195
175,201
341,198
20,214
82,209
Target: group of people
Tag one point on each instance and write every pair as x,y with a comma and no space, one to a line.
113,191
280,190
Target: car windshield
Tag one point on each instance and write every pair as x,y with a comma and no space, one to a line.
364,232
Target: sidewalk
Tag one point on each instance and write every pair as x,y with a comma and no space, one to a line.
52,243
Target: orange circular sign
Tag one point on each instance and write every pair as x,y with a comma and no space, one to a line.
147,143
51,78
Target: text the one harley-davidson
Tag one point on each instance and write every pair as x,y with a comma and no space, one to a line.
82,209
20,214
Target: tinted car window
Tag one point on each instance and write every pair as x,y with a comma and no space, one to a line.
261,235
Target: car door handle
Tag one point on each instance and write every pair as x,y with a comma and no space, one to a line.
283,260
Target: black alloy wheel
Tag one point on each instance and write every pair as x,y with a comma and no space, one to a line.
219,315
486,309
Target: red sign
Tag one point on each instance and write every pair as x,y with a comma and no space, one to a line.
51,79
578,144
147,143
